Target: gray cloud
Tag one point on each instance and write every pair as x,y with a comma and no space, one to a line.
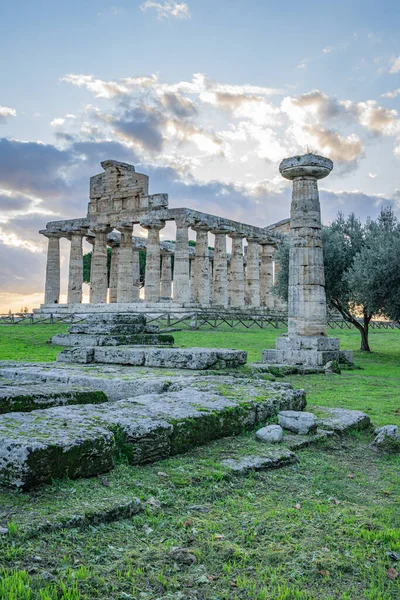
21,271
178,105
10,204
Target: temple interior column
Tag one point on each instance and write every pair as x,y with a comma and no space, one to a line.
252,292
266,276
153,271
52,285
192,271
112,297
220,275
136,272
98,275
181,263
236,279
75,275
125,292
166,276
202,266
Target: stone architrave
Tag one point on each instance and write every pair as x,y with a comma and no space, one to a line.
220,271
181,263
98,273
153,270
125,291
252,292
75,277
166,275
236,280
202,266
267,275
52,285
113,271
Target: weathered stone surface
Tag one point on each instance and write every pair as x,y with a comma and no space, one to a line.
271,434
297,421
76,356
109,329
341,420
116,319
387,439
28,397
389,430
176,358
139,339
260,463
82,440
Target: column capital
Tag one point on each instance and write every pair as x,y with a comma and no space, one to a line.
201,226
101,229
182,222
78,232
152,223
237,234
307,166
221,230
53,234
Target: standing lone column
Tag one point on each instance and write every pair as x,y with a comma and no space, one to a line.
52,286
125,292
307,301
153,272
237,271
267,275
98,274
252,294
75,277
181,263
202,266
220,271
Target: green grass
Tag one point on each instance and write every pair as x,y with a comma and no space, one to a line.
251,543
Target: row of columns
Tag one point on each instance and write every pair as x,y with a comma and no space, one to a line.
203,282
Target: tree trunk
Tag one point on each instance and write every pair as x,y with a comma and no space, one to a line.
363,328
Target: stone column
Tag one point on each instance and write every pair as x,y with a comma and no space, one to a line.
237,271
98,272
52,285
136,272
220,275
166,275
202,266
267,275
192,271
125,292
307,301
75,276
113,271
253,273
152,274
181,263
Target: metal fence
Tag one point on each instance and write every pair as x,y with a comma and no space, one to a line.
193,319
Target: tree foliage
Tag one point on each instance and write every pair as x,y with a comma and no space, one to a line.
362,269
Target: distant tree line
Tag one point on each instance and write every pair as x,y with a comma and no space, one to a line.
362,269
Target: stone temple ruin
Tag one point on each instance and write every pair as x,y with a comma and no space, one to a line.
108,395
119,201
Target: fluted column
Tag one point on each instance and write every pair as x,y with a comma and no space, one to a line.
125,291
153,272
237,271
166,275
136,272
220,275
192,272
52,284
202,266
266,275
252,294
98,272
112,297
181,263
75,274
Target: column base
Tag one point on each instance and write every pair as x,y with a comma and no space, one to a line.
307,350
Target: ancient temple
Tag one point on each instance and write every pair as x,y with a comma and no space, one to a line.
197,275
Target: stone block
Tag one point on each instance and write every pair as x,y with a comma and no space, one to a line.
346,357
120,356
268,356
387,439
341,420
106,329
318,343
34,396
297,421
114,318
139,339
271,434
259,463
76,355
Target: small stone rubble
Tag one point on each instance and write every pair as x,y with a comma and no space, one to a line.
297,422
387,439
271,434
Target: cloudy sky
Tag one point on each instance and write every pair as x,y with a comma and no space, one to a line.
205,96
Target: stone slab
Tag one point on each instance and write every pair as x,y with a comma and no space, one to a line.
34,396
341,420
174,358
107,329
296,421
80,441
86,340
308,342
247,464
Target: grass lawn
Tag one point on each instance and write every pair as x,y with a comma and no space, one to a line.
317,530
